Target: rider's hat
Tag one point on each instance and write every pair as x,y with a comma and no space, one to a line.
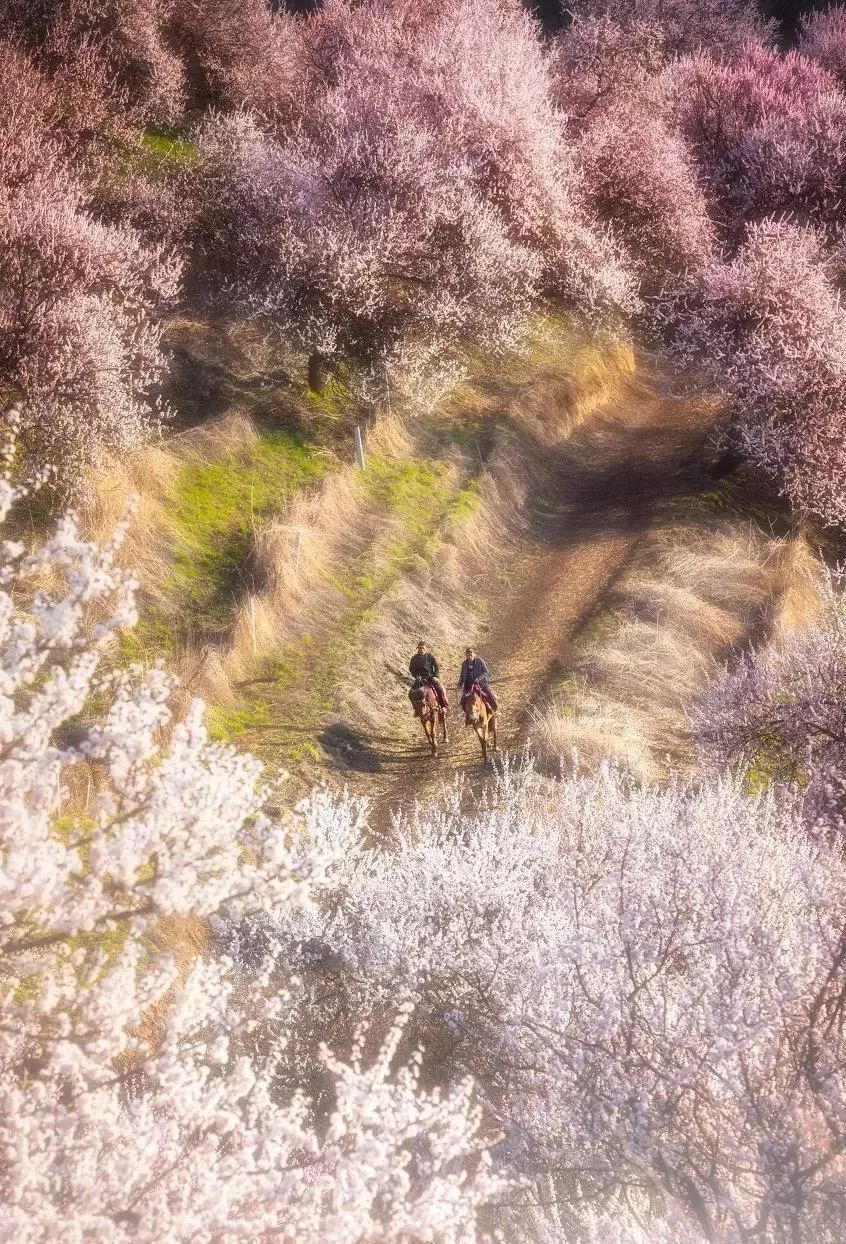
421,643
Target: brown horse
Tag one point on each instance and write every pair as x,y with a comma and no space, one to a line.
424,701
479,715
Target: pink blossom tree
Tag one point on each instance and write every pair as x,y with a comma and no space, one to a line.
768,136
822,38
639,180
79,300
130,41
599,62
724,26
769,326
425,201
237,54
152,63
641,184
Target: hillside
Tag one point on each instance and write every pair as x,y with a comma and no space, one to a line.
556,510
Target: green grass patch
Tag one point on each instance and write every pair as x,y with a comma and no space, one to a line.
213,508
154,154
466,504
151,639
773,762
228,724
170,147
333,401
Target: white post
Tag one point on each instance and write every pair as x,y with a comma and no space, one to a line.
359,447
387,385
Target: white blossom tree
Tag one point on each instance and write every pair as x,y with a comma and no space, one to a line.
640,982
142,1078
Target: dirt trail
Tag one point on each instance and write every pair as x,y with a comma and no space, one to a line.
603,489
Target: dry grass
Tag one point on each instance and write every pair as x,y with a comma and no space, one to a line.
536,403
141,483
349,571
696,598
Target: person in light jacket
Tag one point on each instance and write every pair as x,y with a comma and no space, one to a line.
475,670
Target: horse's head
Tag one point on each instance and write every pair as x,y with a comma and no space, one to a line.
473,705
418,696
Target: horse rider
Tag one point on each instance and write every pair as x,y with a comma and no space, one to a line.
423,667
474,670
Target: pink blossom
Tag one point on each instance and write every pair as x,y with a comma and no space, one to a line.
79,300
424,202
822,38
768,134
723,26
769,326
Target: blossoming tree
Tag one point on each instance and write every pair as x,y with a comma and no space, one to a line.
768,135
779,715
685,26
425,200
79,300
634,981
769,326
139,1072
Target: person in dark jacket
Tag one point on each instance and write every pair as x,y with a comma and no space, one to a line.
474,669
423,666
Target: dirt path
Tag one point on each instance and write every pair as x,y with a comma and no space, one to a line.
612,482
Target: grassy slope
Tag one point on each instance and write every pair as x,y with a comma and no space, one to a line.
281,716
382,535
213,489
710,579
210,512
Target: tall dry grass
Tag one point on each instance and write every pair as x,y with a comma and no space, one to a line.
534,404
300,557
695,599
